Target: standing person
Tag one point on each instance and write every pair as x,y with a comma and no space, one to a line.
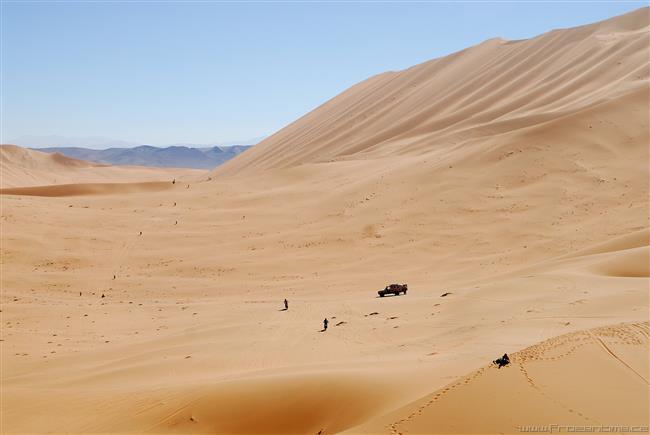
286,304
325,323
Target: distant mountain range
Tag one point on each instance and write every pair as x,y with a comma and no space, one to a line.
102,143
146,155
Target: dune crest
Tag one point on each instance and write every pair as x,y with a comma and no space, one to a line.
573,381
81,189
496,88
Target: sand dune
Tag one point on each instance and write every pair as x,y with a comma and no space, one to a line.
21,167
508,89
519,193
303,403
571,383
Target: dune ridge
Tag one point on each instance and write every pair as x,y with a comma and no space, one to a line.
547,386
494,88
79,189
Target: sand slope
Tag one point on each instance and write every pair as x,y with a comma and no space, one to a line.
578,380
498,88
21,167
499,196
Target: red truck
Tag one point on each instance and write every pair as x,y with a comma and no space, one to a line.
393,289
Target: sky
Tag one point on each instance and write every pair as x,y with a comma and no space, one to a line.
204,72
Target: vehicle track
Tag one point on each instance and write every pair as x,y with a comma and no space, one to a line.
606,348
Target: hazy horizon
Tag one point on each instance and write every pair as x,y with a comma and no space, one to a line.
100,143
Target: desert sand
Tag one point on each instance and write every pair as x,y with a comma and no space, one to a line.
511,176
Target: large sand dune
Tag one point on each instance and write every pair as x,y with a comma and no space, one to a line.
546,91
519,192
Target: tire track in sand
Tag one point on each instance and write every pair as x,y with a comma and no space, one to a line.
606,348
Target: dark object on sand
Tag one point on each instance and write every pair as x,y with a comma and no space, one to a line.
393,289
286,304
445,294
325,323
503,361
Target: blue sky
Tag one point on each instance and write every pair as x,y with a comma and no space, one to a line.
201,72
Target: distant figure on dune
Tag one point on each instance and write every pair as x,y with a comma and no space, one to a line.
325,323
174,181
113,276
103,295
286,304
140,232
503,361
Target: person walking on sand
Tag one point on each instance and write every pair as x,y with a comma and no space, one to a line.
325,323
286,304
